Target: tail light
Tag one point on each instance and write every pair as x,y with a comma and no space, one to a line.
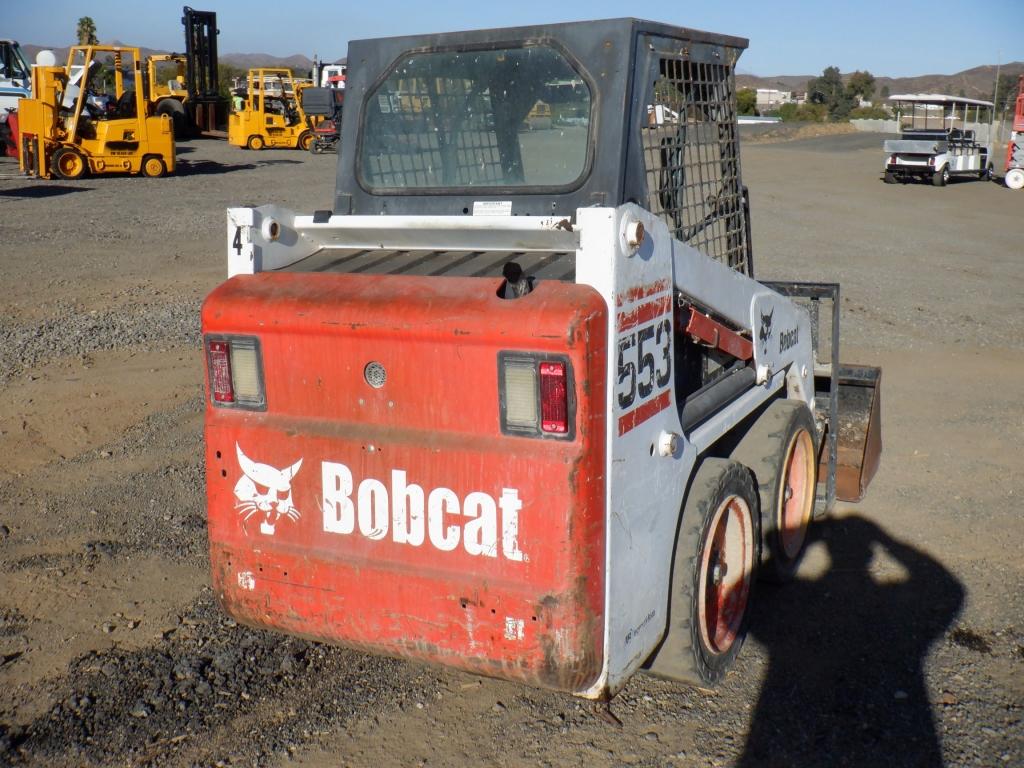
554,404
235,372
536,395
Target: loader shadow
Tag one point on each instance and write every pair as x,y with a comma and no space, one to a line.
209,167
845,683
42,190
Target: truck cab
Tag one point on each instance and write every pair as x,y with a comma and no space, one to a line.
516,403
15,76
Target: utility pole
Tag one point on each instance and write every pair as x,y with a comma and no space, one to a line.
995,102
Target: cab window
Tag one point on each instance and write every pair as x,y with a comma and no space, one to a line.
509,117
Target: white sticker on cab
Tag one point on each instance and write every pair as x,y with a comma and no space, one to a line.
492,208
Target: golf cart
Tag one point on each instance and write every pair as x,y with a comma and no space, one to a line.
940,137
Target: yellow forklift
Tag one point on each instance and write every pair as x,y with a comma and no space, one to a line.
78,123
167,90
271,114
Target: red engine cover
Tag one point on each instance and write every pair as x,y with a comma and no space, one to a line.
401,519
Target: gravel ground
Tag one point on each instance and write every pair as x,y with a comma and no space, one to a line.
901,642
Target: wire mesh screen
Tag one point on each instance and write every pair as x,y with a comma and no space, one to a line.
456,119
691,158
412,153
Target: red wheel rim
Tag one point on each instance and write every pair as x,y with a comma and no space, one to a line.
726,570
797,495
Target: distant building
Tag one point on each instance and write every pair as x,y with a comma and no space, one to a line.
769,99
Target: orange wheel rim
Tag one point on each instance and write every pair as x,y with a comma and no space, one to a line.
726,571
797,492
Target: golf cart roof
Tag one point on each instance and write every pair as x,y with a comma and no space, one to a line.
939,98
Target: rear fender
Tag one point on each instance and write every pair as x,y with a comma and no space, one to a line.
404,518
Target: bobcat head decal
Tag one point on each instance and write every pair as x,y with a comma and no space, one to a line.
266,490
764,333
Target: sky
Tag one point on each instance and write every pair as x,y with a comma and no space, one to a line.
895,38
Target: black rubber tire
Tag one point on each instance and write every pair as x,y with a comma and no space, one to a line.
305,141
256,143
765,449
176,111
889,178
686,653
941,178
68,163
986,175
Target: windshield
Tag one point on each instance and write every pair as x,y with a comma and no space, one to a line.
12,63
511,117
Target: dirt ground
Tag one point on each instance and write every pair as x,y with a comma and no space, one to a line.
901,643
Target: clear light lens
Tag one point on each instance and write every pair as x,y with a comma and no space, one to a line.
245,372
521,394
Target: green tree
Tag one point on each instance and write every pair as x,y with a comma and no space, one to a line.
870,113
884,93
227,73
809,113
829,91
860,84
746,101
86,32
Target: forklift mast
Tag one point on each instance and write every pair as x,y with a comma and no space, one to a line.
208,109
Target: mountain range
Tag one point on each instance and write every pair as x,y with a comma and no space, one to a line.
975,83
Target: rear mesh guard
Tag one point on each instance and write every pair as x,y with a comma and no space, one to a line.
848,399
691,156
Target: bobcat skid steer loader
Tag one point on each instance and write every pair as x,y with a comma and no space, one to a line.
517,404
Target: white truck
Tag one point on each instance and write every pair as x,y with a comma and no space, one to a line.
15,76
517,404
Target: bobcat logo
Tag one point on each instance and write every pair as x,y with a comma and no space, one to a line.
765,332
266,490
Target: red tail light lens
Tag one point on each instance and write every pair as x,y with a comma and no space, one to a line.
554,399
235,372
218,355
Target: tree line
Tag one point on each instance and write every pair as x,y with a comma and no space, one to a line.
833,98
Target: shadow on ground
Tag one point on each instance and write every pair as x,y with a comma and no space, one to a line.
42,190
207,167
845,683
